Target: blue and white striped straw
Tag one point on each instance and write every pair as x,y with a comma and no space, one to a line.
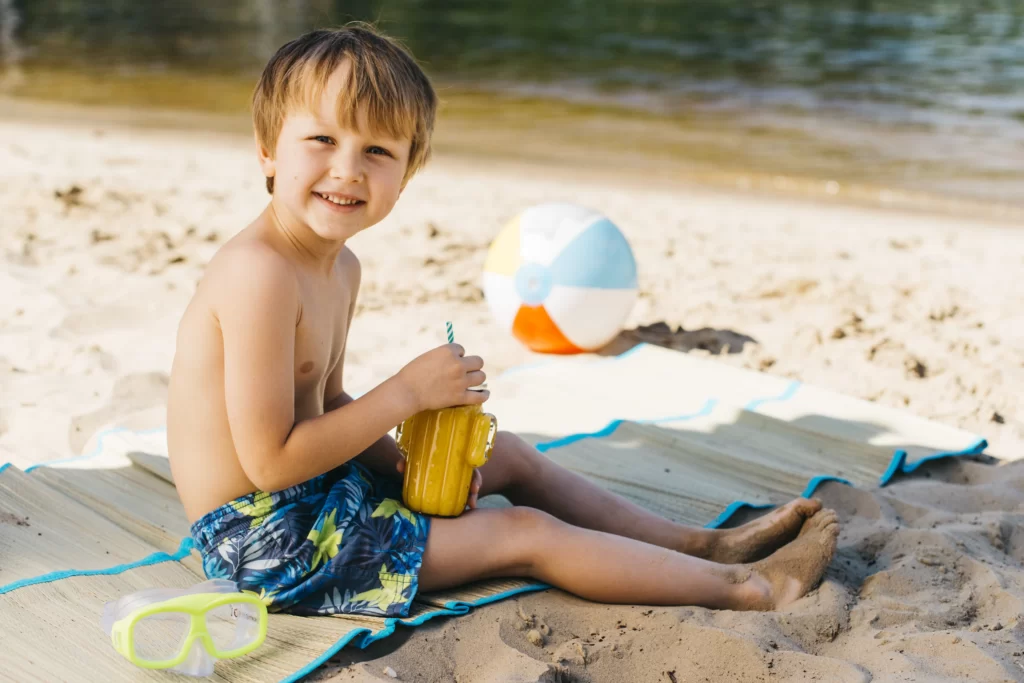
451,332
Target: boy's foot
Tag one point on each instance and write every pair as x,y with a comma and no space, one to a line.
760,538
798,567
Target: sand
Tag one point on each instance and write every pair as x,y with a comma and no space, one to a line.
927,586
105,229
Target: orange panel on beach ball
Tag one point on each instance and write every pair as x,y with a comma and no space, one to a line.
535,328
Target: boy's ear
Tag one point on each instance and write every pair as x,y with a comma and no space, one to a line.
266,159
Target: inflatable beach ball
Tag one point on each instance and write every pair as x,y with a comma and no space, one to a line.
561,278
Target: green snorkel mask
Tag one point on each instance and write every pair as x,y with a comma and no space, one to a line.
186,630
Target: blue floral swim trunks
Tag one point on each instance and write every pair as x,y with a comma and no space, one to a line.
340,543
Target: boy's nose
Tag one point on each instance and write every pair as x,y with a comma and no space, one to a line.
347,167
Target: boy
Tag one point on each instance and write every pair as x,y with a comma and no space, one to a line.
294,488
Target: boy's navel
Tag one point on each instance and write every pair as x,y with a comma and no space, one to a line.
306,367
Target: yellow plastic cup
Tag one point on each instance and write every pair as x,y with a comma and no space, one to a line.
441,449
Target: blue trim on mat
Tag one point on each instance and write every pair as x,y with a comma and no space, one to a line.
451,608
897,464
738,505
183,550
98,449
733,508
899,460
4,467
610,428
817,481
784,396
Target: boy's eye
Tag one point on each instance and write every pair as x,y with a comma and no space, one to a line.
378,150
324,139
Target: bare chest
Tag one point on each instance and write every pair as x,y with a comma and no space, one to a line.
319,345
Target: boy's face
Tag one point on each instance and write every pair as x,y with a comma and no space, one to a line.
332,179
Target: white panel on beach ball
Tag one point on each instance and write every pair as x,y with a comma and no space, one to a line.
546,229
562,277
565,305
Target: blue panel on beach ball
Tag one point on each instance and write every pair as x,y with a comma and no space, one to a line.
598,257
533,282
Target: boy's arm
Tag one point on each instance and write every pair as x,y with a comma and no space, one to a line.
383,455
258,309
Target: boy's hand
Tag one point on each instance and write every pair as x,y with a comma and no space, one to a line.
441,378
474,487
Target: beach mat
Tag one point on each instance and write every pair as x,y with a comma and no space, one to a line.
691,439
576,396
71,540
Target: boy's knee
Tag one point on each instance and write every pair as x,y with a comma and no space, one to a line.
528,530
522,532
507,442
527,519
521,458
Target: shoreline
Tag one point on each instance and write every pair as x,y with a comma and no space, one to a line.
466,130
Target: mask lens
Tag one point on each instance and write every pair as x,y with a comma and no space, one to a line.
159,637
233,626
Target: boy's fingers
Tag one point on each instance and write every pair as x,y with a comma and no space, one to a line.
400,466
472,363
475,379
476,396
457,350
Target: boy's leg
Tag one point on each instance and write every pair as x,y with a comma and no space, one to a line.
527,477
604,567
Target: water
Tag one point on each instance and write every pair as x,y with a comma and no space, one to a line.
924,94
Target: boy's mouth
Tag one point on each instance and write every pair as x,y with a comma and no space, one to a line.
340,202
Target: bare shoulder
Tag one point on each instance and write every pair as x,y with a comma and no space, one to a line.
250,273
349,266
350,272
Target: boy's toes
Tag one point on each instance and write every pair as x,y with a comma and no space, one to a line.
795,512
824,525
826,518
808,507
820,520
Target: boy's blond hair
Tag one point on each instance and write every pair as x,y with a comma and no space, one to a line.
384,80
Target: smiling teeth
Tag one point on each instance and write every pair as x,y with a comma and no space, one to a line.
341,202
